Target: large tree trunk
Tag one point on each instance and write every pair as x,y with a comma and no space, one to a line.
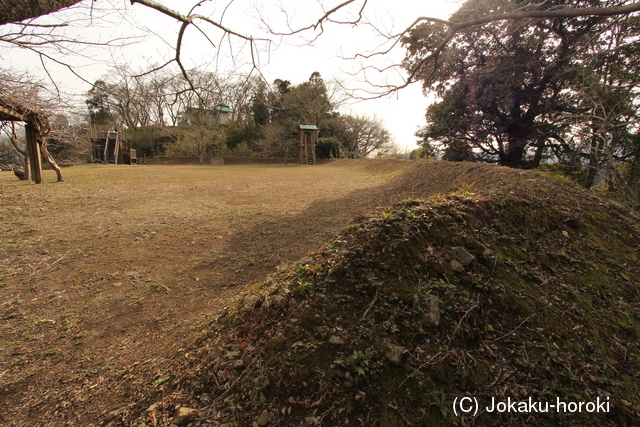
19,10
514,155
537,158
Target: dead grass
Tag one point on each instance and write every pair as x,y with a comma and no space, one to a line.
118,266
385,326
105,277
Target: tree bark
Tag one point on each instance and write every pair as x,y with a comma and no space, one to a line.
19,10
514,154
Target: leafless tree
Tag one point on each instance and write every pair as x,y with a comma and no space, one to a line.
237,93
55,39
277,142
161,98
364,135
200,136
12,152
68,139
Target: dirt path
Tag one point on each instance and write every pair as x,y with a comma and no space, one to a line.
118,266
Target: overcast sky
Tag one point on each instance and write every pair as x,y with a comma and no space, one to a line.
291,58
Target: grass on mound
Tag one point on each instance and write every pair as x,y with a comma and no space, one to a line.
529,292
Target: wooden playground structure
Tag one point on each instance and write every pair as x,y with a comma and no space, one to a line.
37,129
109,147
308,139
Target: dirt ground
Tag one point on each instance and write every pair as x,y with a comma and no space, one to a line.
120,265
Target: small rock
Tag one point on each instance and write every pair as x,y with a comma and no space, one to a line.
264,418
250,301
205,397
465,257
431,317
456,266
395,353
185,416
336,340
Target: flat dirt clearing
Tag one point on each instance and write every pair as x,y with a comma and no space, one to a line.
119,265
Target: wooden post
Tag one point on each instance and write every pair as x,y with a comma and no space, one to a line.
116,149
313,146
33,153
314,139
106,149
301,146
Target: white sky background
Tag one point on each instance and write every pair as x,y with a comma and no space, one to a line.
288,58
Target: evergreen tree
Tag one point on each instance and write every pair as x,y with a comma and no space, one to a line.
98,104
503,86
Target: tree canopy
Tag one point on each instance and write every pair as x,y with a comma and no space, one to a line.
514,91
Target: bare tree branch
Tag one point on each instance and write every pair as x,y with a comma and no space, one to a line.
190,19
326,18
450,28
531,11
